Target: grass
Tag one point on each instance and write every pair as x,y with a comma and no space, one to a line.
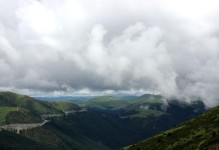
10,99
94,130
197,133
113,103
145,114
150,98
3,113
29,108
22,116
64,106
106,103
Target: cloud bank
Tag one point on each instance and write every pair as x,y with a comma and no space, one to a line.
63,46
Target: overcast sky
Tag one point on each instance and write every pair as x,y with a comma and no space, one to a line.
110,46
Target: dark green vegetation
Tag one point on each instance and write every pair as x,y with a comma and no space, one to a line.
22,116
109,123
200,133
13,141
4,111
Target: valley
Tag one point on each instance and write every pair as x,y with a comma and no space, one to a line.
99,123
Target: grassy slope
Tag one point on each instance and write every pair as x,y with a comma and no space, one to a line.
64,106
150,98
13,100
22,116
16,108
149,105
3,113
55,136
144,106
114,103
106,102
197,133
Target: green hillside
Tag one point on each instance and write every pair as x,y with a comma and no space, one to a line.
22,116
106,103
4,111
149,105
111,124
199,133
17,108
149,98
10,99
64,106
144,106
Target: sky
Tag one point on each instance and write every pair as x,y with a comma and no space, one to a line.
70,47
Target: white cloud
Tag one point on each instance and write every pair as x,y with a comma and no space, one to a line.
94,46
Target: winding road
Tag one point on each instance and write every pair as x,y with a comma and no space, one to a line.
24,126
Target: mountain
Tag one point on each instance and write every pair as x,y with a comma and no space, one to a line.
145,106
100,123
10,99
64,105
106,103
201,132
17,108
55,134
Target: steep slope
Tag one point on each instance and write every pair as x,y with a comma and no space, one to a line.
202,132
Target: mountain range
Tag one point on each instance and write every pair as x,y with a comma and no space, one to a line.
98,123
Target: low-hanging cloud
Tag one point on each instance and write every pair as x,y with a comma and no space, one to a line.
72,46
